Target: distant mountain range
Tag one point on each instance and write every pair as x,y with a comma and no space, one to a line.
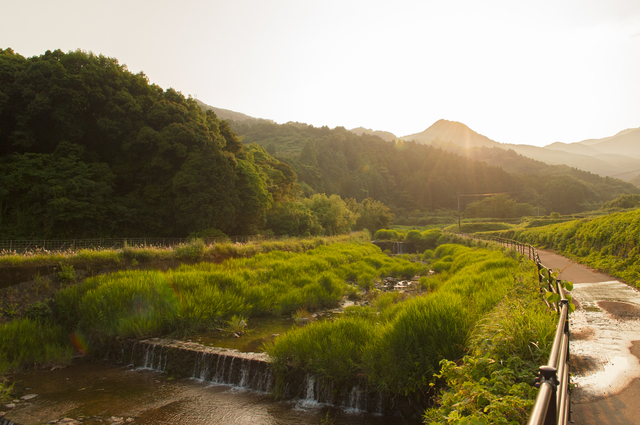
616,156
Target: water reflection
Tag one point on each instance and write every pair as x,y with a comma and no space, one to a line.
94,392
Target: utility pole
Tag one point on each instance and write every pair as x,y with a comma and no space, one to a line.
459,211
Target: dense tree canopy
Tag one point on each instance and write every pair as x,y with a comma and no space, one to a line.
410,176
88,148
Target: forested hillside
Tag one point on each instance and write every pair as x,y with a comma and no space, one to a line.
88,148
409,176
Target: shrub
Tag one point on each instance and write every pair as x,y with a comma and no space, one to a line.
387,235
193,250
66,273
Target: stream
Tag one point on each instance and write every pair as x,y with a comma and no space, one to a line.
99,393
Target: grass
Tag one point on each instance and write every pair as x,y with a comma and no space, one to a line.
25,343
139,303
479,327
608,243
493,383
397,346
195,250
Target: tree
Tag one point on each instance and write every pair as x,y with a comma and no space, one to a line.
373,215
332,212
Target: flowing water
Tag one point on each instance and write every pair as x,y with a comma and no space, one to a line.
100,393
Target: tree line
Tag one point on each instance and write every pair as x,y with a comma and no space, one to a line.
88,149
408,176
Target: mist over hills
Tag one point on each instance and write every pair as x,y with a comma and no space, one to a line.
616,156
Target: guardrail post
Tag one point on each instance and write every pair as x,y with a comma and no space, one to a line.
549,376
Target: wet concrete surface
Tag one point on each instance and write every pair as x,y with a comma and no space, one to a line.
605,345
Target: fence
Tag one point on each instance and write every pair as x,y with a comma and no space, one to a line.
552,405
22,246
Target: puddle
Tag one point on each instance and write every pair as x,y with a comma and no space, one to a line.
620,310
583,334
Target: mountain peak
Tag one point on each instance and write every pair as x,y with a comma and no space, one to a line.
454,132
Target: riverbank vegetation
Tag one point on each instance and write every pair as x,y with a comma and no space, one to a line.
195,297
479,319
194,250
398,347
608,243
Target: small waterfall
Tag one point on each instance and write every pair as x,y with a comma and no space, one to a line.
248,370
397,248
311,388
209,364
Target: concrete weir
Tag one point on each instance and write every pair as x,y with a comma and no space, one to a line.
253,371
187,359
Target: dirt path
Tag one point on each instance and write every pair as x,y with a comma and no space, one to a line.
605,345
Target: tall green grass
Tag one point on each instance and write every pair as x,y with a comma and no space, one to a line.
195,250
609,243
398,346
25,343
205,295
493,384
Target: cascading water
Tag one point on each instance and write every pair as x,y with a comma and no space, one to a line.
245,370
210,364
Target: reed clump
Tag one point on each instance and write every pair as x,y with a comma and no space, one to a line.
139,303
25,343
398,344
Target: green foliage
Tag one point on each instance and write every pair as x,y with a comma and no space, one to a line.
608,243
5,391
193,250
622,202
66,273
415,180
493,382
332,350
89,149
237,324
499,206
39,310
397,346
387,235
199,297
373,215
479,227
26,342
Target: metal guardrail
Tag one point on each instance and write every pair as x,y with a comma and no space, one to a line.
552,405
35,245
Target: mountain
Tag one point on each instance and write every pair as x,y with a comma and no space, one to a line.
617,156
452,131
384,135
627,142
225,114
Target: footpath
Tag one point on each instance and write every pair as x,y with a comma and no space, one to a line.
604,347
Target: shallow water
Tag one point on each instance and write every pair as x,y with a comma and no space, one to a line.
258,332
94,392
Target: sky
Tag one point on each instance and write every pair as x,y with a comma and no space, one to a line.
522,72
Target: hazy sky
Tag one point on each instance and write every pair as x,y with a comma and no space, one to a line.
531,72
